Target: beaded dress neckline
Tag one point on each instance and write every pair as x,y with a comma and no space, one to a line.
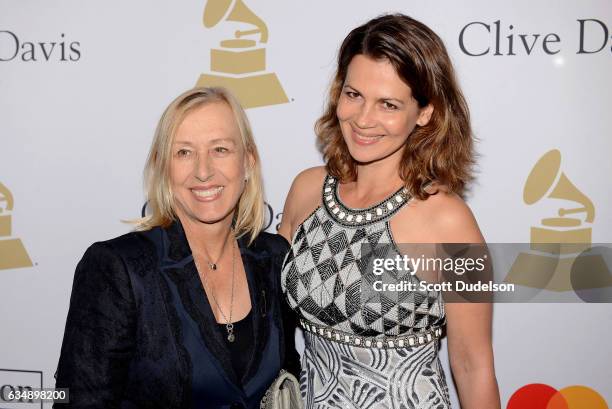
355,217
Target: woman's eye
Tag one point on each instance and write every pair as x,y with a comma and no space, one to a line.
220,149
389,106
182,153
352,94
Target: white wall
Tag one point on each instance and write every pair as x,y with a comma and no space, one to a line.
74,136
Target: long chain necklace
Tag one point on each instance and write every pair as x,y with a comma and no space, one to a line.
229,326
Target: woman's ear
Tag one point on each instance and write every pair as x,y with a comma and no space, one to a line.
425,115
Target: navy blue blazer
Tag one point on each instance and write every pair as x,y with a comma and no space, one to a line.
125,345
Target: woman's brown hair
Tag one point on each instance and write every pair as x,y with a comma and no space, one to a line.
441,151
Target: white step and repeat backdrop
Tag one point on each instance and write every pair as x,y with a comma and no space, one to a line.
83,83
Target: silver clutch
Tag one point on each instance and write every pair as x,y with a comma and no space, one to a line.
284,393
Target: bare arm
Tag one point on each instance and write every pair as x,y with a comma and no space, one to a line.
445,218
286,226
469,325
471,354
303,198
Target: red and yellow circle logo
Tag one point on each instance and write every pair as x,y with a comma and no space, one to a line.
541,396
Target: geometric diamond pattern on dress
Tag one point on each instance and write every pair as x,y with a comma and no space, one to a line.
328,277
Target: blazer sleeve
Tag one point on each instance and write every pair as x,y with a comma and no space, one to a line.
100,332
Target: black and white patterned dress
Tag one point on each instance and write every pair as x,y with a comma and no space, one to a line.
364,349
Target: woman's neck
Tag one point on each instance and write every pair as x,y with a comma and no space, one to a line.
378,178
207,239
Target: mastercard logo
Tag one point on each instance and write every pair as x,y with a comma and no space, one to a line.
541,396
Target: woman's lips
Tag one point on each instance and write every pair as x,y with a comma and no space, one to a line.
361,139
208,194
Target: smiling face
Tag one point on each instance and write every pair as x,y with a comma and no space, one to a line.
208,165
376,110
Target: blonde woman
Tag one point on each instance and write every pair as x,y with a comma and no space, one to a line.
186,311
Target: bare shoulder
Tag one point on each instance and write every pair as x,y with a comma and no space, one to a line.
311,178
443,217
446,209
303,198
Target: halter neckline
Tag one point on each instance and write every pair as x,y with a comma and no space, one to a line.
347,216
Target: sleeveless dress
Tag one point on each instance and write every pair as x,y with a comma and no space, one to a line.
364,349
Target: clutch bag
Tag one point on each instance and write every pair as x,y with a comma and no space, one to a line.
284,393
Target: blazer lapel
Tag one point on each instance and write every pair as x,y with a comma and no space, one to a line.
256,266
179,266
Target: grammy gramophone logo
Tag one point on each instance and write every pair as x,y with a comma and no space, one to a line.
559,245
12,252
240,63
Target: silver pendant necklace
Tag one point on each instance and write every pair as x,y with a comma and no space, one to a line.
229,325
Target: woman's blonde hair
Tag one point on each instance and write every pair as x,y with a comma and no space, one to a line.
249,217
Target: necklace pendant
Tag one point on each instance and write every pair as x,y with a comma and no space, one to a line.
230,332
212,266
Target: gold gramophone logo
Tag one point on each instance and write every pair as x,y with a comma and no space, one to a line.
562,242
240,63
12,252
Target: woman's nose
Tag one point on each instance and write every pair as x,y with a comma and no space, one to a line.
204,169
366,116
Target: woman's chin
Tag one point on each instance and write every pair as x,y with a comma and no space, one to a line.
215,218
206,217
371,154
364,158
361,155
